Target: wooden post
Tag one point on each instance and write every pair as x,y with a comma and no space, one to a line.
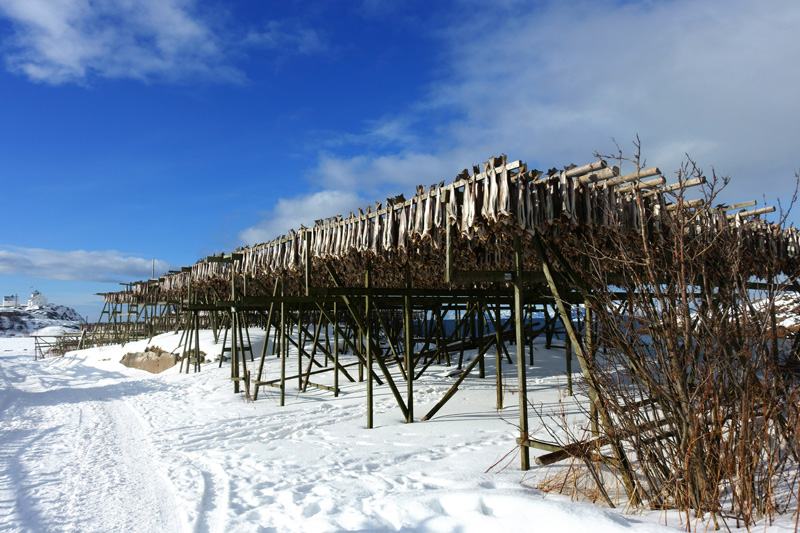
590,351
307,266
266,339
197,341
498,354
449,253
568,347
481,320
368,335
234,351
336,352
408,318
522,382
587,367
359,323
284,346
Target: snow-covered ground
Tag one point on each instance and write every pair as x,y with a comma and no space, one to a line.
48,319
87,444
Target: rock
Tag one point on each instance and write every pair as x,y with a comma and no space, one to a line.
151,361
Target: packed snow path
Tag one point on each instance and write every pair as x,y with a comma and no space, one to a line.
89,445
74,453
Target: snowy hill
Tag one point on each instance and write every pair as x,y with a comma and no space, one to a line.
23,321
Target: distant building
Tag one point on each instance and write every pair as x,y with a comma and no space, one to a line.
11,301
36,300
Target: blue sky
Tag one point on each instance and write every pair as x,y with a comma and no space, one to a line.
172,129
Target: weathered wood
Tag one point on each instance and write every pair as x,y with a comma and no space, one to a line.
754,212
370,355
386,374
454,388
408,318
588,371
522,382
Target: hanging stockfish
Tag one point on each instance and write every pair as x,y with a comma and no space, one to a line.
573,196
386,243
427,215
316,239
302,257
351,242
416,229
410,217
505,200
486,188
291,255
452,206
550,192
467,211
587,198
376,232
326,237
369,234
522,204
338,241
402,224
477,198
273,253
438,216
530,204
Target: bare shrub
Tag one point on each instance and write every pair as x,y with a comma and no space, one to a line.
694,381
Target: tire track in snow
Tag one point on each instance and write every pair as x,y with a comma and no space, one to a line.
76,458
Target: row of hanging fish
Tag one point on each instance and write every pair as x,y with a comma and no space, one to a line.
500,195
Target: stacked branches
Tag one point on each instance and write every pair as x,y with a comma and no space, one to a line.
694,377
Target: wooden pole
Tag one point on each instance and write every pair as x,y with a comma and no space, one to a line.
481,320
370,355
284,344
498,355
628,479
408,318
336,351
522,382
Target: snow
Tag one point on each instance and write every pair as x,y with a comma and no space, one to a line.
90,445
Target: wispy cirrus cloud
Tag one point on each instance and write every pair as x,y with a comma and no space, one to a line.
78,265
74,41
290,213
711,78
67,41
287,38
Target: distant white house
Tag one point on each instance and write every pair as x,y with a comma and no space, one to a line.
36,300
11,301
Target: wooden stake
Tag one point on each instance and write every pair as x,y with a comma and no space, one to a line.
408,318
522,382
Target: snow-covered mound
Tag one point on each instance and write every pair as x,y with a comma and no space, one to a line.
22,322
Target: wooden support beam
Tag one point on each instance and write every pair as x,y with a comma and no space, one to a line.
586,367
350,343
754,212
676,186
284,346
454,388
359,322
522,382
368,334
408,318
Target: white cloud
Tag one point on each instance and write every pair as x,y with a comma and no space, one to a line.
551,83
291,213
65,41
77,265
289,38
